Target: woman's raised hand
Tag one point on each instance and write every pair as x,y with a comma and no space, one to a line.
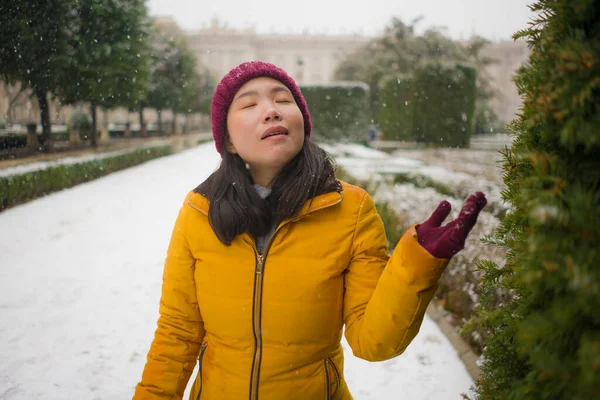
446,241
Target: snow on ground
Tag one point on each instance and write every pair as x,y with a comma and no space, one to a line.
465,171
362,162
80,277
482,159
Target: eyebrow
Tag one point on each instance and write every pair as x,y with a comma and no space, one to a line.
276,89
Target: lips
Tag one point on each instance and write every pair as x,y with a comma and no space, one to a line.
274,131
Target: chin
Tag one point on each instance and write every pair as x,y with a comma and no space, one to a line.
279,160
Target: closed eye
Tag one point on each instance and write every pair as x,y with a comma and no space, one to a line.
248,106
283,101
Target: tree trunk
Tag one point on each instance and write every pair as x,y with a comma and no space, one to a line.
94,124
12,102
143,131
46,139
174,124
160,132
104,135
32,140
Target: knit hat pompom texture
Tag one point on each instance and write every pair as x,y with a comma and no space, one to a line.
234,80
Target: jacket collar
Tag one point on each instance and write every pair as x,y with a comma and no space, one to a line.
198,202
201,203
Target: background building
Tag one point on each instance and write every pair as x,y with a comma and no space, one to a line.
313,59
308,58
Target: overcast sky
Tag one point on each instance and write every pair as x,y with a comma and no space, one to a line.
493,19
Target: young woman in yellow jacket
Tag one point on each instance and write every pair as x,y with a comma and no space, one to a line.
271,258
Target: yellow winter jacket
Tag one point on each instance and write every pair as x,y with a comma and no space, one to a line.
269,326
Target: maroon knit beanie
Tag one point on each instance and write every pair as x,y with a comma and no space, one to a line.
234,80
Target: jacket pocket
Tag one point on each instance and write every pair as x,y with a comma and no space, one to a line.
200,357
332,379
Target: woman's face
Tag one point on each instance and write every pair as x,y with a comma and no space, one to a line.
265,126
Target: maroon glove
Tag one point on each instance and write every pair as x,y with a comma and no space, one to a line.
446,241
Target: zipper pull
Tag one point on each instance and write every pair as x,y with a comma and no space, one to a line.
259,264
202,349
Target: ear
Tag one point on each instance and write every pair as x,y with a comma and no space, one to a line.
228,145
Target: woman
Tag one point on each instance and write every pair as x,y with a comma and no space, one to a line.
271,258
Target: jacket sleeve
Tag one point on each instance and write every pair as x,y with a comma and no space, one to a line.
180,330
385,298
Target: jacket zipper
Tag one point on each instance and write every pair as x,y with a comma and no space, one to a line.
257,310
256,325
200,357
257,300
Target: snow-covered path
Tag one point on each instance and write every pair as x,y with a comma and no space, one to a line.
80,276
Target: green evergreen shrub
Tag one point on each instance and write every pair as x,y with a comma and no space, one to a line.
540,311
339,111
16,189
396,114
444,104
2,122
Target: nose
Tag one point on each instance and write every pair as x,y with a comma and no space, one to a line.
272,115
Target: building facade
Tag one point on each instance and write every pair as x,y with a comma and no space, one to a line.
313,59
310,59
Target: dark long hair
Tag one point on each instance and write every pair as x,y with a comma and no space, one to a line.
236,207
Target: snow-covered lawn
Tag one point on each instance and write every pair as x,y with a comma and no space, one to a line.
464,171
80,276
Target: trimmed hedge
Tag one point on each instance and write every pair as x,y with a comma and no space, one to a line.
339,111
444,104
16,189
396,110
12,141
